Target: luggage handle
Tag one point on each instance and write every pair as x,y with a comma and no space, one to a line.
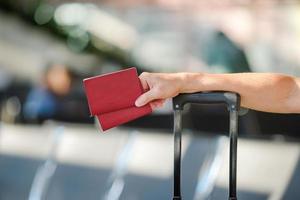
232,101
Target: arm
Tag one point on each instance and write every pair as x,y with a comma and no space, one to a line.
267,92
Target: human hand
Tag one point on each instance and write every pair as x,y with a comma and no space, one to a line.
159,87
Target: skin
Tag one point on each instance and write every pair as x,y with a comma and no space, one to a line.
58,80
268,92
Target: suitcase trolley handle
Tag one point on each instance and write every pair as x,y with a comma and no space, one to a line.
232,101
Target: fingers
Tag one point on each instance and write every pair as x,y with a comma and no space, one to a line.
157,103
143,81
145,98
152,94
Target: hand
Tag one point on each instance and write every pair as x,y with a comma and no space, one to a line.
159,87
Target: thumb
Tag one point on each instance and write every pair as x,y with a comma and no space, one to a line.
145,98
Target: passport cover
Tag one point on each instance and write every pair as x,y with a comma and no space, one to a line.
111,97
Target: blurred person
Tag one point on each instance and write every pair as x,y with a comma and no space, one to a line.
268,92
222,54
43,100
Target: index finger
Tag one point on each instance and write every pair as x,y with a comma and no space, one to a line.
144,84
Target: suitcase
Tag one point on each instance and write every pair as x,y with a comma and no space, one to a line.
232,101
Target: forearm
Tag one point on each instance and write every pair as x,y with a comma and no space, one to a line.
260,91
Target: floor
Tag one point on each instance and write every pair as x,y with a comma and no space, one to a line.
137,164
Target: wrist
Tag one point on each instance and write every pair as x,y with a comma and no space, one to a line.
197,82
189,82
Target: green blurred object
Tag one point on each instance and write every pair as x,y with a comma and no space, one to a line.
223,56
78,40
43,14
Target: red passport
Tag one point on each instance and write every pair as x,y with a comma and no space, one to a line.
111,97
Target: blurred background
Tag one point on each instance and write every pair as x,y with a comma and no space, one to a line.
50,147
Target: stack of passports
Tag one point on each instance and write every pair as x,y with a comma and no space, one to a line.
111,97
